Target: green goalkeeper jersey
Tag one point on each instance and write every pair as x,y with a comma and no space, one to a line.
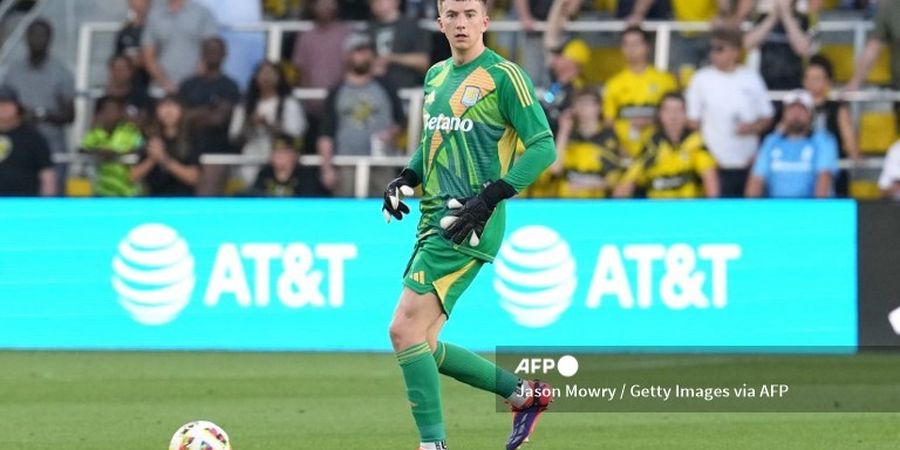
475,116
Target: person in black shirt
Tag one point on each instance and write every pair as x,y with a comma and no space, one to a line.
120,83
401,46
25,166
284,176
832,115
169,166
128,40
208,99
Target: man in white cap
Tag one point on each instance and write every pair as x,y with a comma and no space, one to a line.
795,161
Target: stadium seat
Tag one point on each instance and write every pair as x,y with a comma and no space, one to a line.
844,60
605,62
877,131
606,6
864,190
828,5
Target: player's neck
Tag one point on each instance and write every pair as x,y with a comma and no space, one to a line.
463,57
638,67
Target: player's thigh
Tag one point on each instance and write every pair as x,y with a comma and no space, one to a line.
414,316
434,331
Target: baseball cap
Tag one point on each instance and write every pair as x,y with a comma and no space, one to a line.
577,51
8,94
800,96
356,41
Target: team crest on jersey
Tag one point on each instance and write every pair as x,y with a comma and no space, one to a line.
5,148
470,96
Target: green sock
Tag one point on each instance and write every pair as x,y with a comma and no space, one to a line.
423,389
469,368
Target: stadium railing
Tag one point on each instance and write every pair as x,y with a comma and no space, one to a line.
275,32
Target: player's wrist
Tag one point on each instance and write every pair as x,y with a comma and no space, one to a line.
410,177
495,192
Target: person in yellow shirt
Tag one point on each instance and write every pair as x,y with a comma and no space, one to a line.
631,96
675,164
589,162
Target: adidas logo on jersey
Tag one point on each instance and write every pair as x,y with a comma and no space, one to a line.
447,123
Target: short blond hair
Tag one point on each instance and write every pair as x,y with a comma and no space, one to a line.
440,3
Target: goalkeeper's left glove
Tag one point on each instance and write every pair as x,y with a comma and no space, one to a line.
403,184
469,216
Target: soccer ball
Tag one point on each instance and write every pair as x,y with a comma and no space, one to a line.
200,435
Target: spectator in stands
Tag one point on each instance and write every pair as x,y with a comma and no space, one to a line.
25,166
318,52
589,159
172,40
889,181
318,58
527,44
689,49
631,96
169,166
730,106
209,99
121,82
795,161
268,110
245,48
403,48
128,40
887,32
566,60
284,176
360,111
675,163
833,116
111,137
785,39
45,86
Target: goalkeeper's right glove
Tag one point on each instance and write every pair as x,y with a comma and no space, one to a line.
404,185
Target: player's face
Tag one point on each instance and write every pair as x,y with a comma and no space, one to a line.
672,114
284,159
587,109
634,48
384,8
168,113
797,118
9,111
816,81
463,22
723,55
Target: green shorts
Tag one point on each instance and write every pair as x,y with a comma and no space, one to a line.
435,266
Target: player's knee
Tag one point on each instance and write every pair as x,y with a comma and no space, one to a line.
402,335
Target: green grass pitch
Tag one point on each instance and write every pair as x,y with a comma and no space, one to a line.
327,401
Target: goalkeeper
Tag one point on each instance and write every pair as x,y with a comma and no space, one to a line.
478,107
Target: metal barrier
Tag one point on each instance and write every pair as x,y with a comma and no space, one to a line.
362,164
275,36
275,31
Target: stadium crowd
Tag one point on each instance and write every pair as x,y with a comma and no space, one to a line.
707,130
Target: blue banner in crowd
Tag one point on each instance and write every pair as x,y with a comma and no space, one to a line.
325,275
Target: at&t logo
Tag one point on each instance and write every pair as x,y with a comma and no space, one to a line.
535,276
153,274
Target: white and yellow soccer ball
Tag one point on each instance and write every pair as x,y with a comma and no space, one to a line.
200,435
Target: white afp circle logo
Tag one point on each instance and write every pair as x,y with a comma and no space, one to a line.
153,273
535,276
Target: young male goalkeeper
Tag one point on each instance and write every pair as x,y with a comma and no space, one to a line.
477,107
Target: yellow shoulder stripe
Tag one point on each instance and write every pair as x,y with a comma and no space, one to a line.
515,77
